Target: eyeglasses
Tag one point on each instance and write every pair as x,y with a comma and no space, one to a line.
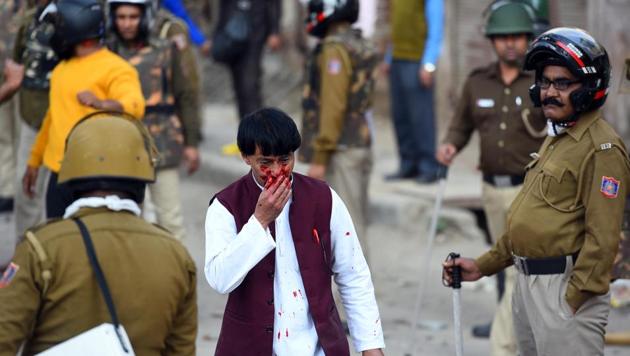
559,84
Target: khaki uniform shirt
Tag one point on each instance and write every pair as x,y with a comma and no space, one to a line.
150,275
572,200
509,126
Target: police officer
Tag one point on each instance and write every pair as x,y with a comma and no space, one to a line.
337,101
495,102
167,26
563,227
168,89
150,275
34,52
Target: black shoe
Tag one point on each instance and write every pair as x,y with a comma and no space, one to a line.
482,331
426,178
6,205
402,174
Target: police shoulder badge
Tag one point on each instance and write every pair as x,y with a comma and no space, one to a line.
609,187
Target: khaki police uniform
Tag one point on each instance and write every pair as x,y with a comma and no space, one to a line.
151,277
510,129
566,221
337,113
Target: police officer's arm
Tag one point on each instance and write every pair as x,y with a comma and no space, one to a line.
181,339
335,69
20,300
186,92
186,60
603,217
462,126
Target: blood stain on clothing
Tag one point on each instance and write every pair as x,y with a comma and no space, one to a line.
300,291
278,335
347,233
287,332
294,294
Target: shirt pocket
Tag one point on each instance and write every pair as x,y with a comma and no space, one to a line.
558,188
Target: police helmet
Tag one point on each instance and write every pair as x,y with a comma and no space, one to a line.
579,52
74,21
93,160
508,17
149,10
321,13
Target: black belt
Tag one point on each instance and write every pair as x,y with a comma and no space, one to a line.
159,109
503,181
545,265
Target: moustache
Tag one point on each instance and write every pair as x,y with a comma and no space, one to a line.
552,101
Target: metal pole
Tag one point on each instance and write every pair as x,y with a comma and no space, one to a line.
424,275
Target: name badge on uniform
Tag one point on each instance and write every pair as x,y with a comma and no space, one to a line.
334,66
485,103
609,187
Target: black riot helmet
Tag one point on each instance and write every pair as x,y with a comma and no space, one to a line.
579,52
321,13
75,21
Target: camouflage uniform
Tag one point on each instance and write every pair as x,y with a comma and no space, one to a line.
32,49
168,75
336,131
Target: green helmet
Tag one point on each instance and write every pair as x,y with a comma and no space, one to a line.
108,145
505,17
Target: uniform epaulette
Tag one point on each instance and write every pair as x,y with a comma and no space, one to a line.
42,257
604,140
168,22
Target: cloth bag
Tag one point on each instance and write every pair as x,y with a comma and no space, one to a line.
108,339
230,41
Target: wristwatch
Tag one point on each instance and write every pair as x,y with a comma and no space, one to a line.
429,67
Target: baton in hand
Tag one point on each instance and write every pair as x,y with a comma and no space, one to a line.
457,304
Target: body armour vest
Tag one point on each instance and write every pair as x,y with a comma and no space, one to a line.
248,320
361,59
154,64
38,57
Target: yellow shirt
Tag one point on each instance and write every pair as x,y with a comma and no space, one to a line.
104,74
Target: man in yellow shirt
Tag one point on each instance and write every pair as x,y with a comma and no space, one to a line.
89,78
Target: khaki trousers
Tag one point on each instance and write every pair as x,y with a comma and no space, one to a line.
28,212
8,135
165,197
348,173
496,203
545,324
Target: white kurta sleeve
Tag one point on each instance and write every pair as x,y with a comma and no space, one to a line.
354,281
230,256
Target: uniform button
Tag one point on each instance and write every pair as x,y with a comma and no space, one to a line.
551,147
504,108
270,302
507,91
500,143
503,126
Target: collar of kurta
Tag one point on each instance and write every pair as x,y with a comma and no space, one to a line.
583,123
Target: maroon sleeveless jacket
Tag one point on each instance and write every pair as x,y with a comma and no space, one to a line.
247,327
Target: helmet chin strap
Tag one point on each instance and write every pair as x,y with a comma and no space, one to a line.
558,127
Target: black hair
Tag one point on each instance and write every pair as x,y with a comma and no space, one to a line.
80,188
270,129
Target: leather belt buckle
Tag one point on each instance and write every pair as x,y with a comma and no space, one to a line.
520,263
